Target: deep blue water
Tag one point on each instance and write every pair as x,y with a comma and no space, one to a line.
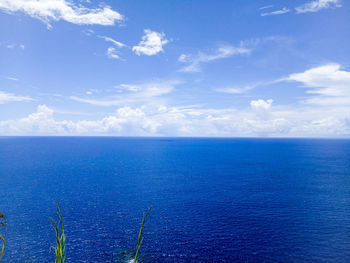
214,200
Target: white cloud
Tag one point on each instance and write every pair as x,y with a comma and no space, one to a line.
183,58
115,42
127,94
265,7
12,78
11,45
151,44
330,84
112,53
284,10
140,110
9,97
40,122
317,5
129,87
55,10
88,32
261,104
260,120
195,61
263,110
231,90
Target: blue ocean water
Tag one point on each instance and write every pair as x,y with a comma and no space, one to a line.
214,200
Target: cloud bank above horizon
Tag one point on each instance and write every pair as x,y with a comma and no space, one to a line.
141,72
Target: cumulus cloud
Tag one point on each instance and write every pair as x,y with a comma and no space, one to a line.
151,44
194,61
282,11
139,113
317,5
55,10
42,122
262,109
329,83
9,97
162,120
261,104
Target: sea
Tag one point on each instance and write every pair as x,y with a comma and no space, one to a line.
213,199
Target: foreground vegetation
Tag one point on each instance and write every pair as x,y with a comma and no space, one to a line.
60,247
3,226
60,238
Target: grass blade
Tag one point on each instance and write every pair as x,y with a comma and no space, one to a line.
3,224
139,239
60,238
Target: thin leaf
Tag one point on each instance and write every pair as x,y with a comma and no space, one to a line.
3,237
139,240
60,237
2,215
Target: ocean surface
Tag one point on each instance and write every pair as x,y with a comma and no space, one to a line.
214,200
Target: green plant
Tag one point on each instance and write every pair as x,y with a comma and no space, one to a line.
139,239
3,237
60,238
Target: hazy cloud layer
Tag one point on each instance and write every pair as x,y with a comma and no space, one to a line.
9,97
261,119
126,94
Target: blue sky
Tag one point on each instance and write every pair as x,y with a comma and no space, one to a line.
259,68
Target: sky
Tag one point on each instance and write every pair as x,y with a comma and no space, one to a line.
220,68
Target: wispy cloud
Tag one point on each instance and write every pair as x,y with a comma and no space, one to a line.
151,44
194,61
10,97
231,90
11,45
12,78
112,53
54,10
317,5
265,7
88,32
282,11
127,94
329,83
111,40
